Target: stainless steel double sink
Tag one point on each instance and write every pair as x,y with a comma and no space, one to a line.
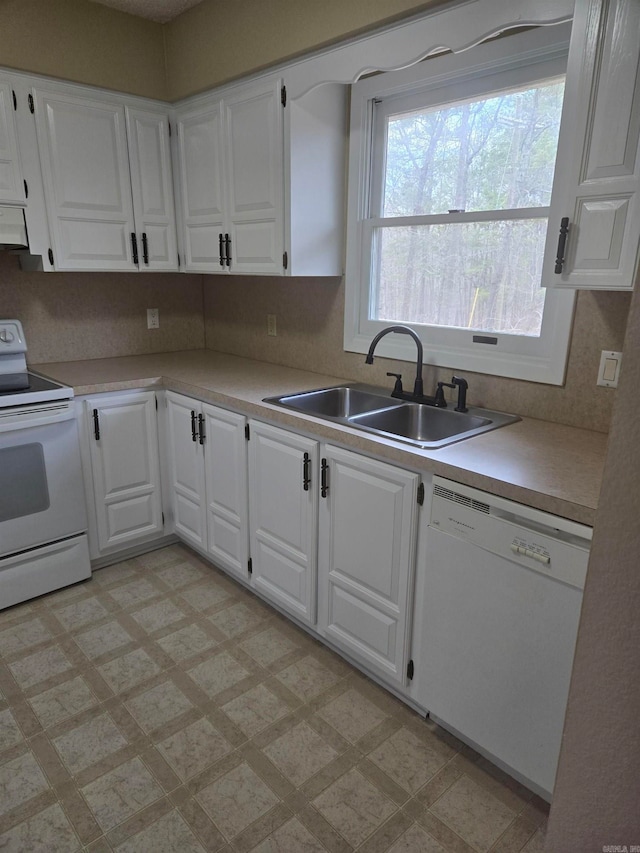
371,409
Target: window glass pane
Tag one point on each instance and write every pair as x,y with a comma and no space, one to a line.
478,275
23,481
491,153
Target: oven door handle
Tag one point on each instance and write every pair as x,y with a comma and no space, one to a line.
12,420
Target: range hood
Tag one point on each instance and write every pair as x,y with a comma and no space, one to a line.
13,228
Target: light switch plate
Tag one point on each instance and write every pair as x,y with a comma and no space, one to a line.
609,370
153,318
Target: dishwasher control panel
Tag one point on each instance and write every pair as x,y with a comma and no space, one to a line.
527,537
530,549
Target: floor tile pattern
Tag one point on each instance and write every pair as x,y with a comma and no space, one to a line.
162,707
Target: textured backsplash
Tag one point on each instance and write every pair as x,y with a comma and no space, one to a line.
310,331
71,316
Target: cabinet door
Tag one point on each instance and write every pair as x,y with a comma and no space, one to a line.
366,560
154,212
283,513
254,171
200,167
11,184
186,469
598,165
226,489
125,467
83,149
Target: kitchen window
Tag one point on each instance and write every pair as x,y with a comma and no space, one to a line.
451,170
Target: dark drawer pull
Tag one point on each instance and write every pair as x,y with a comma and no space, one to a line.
201,429
562,244
306,469
324,478
194,432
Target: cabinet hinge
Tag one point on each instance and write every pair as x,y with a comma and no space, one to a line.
15,100
50,254
247,432
283,96
32,106
421,494
250,566
26,189
285,260
410,670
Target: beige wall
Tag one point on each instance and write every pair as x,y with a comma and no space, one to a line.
597,794
84,42
310,329
217,41
69,316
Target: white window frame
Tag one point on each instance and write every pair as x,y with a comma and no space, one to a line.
532,55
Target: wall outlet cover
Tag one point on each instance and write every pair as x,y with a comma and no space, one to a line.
153,318
609,370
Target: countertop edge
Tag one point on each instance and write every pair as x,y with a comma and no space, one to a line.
386,450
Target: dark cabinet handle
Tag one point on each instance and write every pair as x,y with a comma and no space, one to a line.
306,468
134,248
562,244
145,248
221,248
194,433
324,478
96,424
227,249
201,429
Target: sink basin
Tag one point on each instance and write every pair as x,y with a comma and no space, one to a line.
371,409
340,403
422,424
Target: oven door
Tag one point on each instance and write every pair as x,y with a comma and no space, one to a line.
41,491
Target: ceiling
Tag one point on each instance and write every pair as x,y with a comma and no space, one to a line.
155,10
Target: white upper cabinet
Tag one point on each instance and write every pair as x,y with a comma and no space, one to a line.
261,180
594,222
230,168
153,207
88,182
11,182
200,142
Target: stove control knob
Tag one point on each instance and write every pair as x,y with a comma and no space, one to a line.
6,336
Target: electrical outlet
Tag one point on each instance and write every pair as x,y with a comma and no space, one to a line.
271,325
609,368
153,318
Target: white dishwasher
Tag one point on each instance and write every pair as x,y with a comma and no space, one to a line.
502,597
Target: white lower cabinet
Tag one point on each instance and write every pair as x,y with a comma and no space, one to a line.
207,463
284,518
121,443
329,535
367,544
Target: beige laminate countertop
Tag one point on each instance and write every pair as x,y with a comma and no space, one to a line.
549,466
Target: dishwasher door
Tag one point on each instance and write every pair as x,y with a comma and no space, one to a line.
502,599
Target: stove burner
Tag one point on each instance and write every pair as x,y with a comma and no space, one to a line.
11,383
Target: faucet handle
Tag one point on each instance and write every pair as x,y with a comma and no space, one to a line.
397,388
439,400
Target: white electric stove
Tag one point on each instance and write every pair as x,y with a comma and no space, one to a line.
43,521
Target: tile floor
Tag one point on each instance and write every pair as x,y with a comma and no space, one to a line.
162,707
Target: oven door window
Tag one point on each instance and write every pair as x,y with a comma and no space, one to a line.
24,489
